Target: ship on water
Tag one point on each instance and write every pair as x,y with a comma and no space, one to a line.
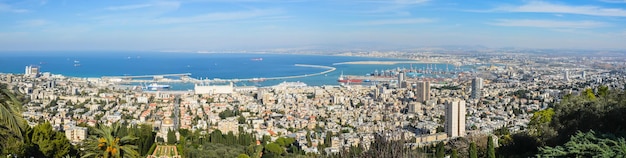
155,86
257,59
344,79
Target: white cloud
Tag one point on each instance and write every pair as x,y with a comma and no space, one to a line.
397,21
8,8
549,23
545,7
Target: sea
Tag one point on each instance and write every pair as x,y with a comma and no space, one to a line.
200,65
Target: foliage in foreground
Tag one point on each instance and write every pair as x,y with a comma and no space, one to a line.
588,144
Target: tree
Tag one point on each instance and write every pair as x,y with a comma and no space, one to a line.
51,143
243,156
603,91
441,152
589,94
12,125
216,137
106,143
241,120
455,154
274,148
473,152
171,137
491,151
146,138
588,144
328,139
10,113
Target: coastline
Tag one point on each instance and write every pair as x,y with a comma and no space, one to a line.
383,62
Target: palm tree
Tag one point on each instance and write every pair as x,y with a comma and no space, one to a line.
107,144
10,113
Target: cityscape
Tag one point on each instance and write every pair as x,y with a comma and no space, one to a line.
143,96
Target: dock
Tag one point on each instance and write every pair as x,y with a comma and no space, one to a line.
185,77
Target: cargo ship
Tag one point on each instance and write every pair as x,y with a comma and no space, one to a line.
257,59
344,79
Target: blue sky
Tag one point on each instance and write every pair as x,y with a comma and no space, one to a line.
301,24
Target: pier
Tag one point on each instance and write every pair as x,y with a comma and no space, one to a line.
185,77
182,75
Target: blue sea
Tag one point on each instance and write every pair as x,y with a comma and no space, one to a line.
200,65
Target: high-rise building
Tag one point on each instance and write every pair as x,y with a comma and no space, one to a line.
31,70
477,86
584,75
401,78
455,118
415,108
566,76
27,70
422,91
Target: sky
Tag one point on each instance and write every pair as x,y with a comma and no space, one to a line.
305,24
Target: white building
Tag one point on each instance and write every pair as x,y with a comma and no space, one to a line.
76,134
214,89
455,118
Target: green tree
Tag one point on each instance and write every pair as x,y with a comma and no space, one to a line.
217,137
491,151
171,137
10,113
146,138
539,125
106,143
473,152
243,156
51,143
241,120
603,91
274,148
588,144
455,154
589,94
328,139
440,152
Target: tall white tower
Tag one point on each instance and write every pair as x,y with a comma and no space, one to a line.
27,70
455,118
401,78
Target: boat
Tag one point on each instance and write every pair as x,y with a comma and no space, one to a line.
155,86
257,59
344,79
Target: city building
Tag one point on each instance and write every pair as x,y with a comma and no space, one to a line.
416,108
401,79
76,134
422,91
214,89
455,118
31,70
583,75
477,86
